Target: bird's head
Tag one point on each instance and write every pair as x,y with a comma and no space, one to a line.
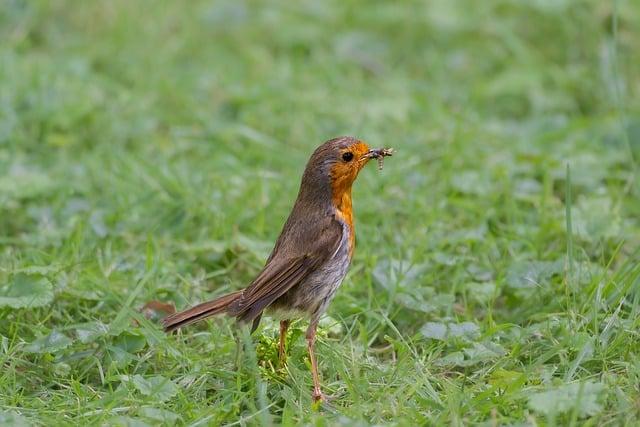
334,166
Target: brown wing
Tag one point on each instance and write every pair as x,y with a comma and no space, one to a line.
284,270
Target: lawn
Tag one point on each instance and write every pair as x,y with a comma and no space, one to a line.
151,151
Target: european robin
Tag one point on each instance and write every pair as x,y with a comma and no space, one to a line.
311,256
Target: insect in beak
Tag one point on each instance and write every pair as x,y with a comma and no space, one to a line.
379,154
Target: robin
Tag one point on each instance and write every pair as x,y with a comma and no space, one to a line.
311,256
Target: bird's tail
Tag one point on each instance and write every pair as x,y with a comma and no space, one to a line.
199,312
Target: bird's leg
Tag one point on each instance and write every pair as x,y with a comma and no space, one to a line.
311,340
239,352
282,352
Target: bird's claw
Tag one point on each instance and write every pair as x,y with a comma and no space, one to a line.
319,396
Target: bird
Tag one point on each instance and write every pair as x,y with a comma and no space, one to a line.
311,256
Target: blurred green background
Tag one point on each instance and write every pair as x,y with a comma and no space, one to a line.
151,150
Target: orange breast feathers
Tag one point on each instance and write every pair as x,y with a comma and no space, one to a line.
343,174
345,213
341,198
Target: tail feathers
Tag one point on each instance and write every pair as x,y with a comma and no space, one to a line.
199,312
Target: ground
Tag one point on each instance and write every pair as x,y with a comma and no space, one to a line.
151,151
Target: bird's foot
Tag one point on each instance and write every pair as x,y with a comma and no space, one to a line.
322,402
282,359
319,397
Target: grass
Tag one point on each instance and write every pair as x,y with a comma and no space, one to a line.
152,150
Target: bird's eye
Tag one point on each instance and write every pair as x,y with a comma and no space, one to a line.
348,156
